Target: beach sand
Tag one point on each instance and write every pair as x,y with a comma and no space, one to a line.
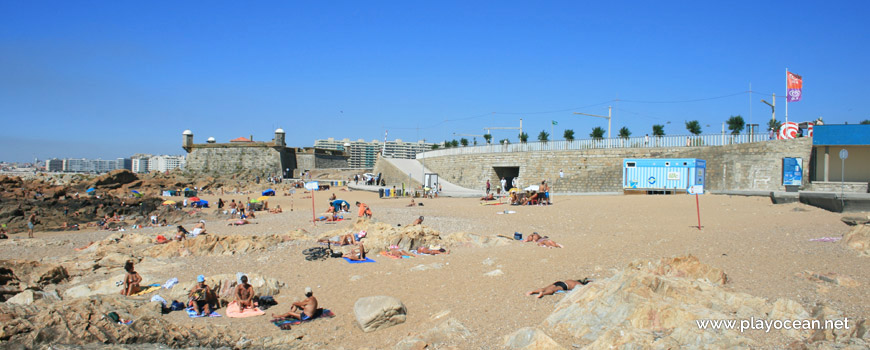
759,245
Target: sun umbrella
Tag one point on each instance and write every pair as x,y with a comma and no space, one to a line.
168,202
194,199
254,200
90,190
263,198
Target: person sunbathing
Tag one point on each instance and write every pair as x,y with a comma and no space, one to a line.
544,241
239,222
131,280
198,229
557,286
180,233
276,210
244,295
489,197
330,218
358,253
432,250
412,203
419,221
301,310
346,239
394,251
200,297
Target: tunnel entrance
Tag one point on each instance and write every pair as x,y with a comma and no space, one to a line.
508,173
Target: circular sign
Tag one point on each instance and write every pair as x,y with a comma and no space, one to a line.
651,180
844,154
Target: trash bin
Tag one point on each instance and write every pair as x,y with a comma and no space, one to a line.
387,193
380,193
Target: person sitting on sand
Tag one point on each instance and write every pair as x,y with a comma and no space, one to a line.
364,210
557,286
301,310
332,197
358,253
419,221
199,229
329,218
412,203
180,233
131,280
251,214
199,297
488,197
276,210
432,250
244,295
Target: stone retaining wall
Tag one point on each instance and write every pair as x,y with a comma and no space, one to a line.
749,166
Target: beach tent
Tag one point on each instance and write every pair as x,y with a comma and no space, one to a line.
269,192
200,203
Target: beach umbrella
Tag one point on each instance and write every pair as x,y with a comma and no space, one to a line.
136,192
90,190
255,200
168,202
263,198
194,199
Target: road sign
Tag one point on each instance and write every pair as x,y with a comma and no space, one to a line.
844,154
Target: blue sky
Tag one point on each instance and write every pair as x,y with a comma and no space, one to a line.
112,78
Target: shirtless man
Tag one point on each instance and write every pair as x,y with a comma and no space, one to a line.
244,294
433,250
557,286
276,210
544,241
302,310
419,221
412,203
332,198
199,297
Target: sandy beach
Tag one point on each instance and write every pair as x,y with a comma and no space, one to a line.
763,249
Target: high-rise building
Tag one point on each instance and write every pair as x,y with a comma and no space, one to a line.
54,165
140,164
364,154
165,162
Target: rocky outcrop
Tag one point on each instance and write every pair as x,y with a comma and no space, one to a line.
82,321
381,235
448,333
859,239
19,275
662,304
213,245
115,179
373,313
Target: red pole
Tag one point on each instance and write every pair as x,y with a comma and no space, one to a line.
698,207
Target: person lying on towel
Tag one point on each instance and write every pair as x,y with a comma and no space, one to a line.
557,286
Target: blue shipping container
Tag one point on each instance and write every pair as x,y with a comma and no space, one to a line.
663,174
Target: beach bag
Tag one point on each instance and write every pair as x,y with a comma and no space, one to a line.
176,306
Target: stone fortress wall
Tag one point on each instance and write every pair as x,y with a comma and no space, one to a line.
749,166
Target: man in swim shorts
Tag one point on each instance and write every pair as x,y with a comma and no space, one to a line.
557,286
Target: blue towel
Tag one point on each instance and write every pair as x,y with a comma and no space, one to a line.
192,313
367,260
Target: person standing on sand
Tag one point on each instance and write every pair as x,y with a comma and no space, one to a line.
31,221
503,184
364,210
487,186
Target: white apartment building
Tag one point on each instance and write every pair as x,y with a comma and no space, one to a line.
165,163
364,154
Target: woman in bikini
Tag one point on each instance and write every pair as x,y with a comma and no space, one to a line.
131,281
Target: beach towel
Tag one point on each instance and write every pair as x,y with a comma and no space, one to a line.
826,239
234,312
325,313
147,289
192,313
506,212
367,260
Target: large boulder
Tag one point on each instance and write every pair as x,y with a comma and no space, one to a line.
662,304
103,287
19,275
115,179
373,313
859,239
448,333
529,338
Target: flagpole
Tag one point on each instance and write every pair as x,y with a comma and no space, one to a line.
786,94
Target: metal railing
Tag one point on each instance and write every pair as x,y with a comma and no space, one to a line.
631,142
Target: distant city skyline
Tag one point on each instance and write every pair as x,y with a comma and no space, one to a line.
112,79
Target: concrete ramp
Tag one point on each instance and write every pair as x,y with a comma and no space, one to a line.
396,171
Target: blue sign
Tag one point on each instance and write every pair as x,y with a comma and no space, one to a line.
792,171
